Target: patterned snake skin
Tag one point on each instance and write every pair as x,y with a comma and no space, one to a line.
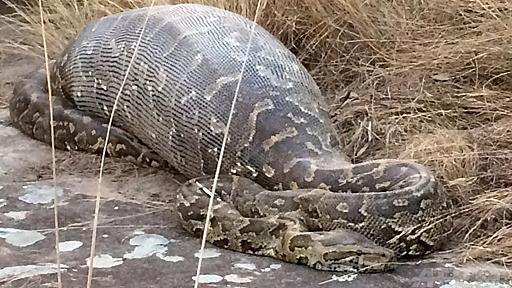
286,190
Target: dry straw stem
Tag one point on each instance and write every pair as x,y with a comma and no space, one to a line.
424,80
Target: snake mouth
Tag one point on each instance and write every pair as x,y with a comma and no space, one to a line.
358,254
367,263
339,250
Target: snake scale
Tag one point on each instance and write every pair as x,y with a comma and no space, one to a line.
286,190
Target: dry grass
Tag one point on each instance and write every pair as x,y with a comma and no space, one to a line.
428,80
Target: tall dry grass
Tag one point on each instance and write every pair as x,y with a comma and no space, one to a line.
427,80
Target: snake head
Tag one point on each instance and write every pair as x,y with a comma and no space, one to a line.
339,250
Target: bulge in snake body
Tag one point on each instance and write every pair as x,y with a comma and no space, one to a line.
297,196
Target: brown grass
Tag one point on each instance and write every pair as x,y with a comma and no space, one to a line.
427,80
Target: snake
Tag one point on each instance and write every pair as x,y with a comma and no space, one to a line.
285,188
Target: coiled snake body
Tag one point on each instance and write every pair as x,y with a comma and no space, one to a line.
286,189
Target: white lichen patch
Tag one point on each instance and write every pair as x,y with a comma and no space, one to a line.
149,239
105,261
271,267
17,215
173,259
234,278
41,194
208,253
28,271
20,238
208,278
466,284
148,245
68,246
246,266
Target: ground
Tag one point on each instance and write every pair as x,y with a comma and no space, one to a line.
140,243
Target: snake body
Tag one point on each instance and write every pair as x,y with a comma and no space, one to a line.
286,189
